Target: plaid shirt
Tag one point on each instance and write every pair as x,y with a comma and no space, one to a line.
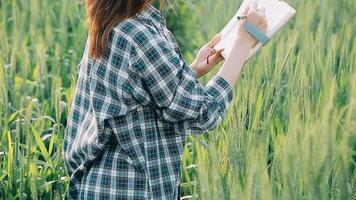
132,111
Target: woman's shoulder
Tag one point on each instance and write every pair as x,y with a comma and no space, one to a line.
136,30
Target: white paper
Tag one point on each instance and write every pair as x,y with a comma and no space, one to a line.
278,13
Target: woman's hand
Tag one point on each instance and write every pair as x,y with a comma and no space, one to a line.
233,64
207,57
258,18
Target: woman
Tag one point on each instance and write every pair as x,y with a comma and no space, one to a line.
137,99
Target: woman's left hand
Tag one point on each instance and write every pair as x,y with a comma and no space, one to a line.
207,57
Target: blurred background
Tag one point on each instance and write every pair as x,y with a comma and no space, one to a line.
290,132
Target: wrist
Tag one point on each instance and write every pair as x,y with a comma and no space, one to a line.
193,65
244,42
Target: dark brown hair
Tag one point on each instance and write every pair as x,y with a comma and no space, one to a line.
104,15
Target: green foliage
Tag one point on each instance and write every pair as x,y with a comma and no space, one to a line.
41,43
290,132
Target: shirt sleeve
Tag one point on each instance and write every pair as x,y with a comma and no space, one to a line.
176,93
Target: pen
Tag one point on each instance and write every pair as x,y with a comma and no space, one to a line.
241,17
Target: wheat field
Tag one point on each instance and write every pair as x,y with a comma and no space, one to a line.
290,132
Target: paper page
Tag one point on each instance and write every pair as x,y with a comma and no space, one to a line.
278,13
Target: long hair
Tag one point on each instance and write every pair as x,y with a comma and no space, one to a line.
104,15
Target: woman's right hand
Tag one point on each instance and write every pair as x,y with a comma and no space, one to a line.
256,17
233,64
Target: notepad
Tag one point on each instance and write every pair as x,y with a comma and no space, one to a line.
278,14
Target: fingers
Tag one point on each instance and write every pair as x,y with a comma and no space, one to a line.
254,16
215,40
218,56
263,23
212,60
215,58
212,52
257,17
214,55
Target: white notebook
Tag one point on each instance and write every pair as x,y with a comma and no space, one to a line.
278,13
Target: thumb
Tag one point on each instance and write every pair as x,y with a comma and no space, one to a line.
216,58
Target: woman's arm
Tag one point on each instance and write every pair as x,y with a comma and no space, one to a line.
175,92
245,42
233,65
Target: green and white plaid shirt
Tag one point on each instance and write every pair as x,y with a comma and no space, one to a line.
132,111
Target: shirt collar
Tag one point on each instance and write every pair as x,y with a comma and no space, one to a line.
153,14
